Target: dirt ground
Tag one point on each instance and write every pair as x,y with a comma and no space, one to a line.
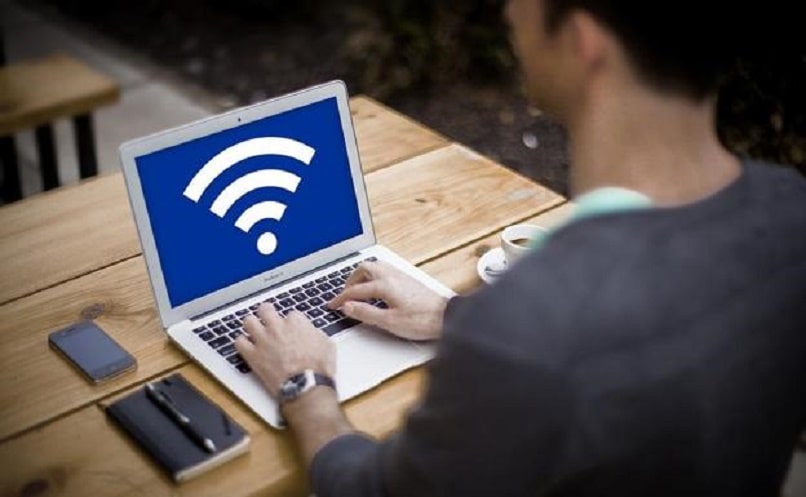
245,55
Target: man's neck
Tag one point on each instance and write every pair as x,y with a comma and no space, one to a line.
663,147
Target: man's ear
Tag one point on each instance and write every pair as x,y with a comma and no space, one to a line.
590,40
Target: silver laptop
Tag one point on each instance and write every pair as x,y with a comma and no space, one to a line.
265,203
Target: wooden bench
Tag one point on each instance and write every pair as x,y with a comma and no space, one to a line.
35,93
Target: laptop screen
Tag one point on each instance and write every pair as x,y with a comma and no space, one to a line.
234,204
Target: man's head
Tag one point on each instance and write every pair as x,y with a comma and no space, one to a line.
672,48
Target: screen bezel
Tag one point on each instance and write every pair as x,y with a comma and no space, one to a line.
129,151
91,332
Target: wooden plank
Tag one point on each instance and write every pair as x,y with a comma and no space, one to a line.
85,454
458,268
41,90
423,207
460,196
386,136
62,234
58,235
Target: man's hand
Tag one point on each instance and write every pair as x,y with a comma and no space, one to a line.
279,348
414,311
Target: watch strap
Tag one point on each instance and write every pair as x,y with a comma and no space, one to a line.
298,384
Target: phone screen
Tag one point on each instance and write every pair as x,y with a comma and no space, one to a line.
92,350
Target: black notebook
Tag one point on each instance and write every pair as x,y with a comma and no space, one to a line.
160,436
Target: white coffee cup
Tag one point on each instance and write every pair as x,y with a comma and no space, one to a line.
517,240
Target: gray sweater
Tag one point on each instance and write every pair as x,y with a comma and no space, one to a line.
658,352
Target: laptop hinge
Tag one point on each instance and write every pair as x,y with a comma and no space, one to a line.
270,287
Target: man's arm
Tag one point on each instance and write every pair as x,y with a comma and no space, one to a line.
316,418
278,348
493,421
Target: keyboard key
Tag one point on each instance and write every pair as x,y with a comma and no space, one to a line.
331,317
283,295
348,269
328,296
286,312
309,284
302,307
242,312
324,287
227,350
300,297
319,322
214,323
316,301
221,330
337,281
228,317
287,303
218,342
296,289
314,313
339,326
243,368
234,325
321,280
235,334
200,329
207,336
254,307
381,304
235,359
270,300
333,274
312,292
371,259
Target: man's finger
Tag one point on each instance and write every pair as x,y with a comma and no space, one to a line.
244,347
359,275
361,291
271,319
257,332
367,313
367,271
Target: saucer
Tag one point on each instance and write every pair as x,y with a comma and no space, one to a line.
491,265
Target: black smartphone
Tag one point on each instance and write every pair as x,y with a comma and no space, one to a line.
92,351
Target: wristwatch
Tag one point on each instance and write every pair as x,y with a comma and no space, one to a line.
302,382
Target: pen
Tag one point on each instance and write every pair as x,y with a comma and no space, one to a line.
166,406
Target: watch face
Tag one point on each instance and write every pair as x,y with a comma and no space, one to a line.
292,386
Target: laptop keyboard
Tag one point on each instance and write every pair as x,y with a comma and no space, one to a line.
310,298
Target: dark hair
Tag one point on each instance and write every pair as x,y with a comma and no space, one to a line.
682,46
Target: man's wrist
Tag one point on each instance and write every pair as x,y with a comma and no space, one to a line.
315,418
319,399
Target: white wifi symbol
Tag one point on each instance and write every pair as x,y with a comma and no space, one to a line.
264,178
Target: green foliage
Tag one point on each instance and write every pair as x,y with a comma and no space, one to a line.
403,44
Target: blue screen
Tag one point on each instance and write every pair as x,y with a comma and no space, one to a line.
201,252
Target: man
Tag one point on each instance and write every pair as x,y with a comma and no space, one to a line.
650,351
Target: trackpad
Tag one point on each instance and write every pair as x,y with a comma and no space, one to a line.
366,357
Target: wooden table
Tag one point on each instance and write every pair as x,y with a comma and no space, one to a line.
73,253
